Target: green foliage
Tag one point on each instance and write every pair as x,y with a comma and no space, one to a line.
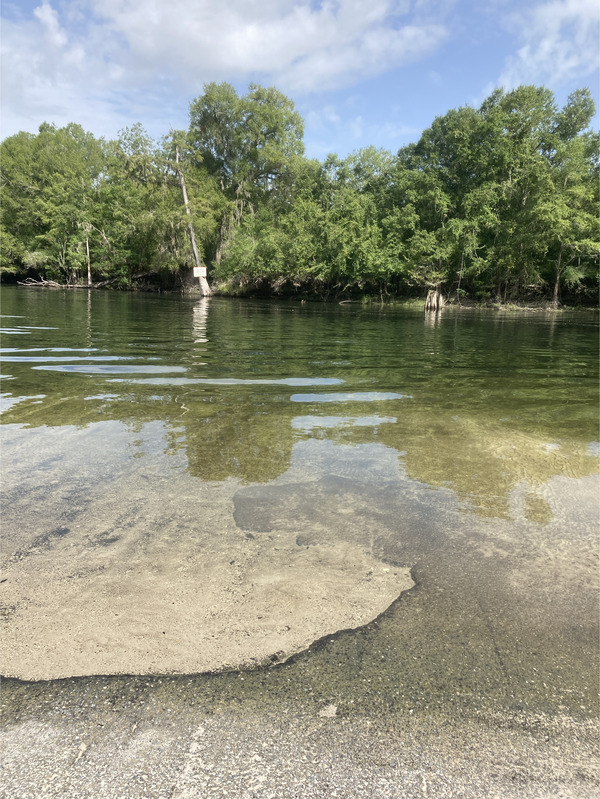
48,194
245,140
497,202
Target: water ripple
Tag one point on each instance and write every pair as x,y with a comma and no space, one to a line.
350,396
311,422
51,358
47,349
110,370
235,381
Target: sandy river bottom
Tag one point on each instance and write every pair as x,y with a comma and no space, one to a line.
460,655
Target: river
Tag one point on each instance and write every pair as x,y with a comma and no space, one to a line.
418,492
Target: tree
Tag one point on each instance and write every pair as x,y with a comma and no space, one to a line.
247,142
496,201
54,177
178,147
566,215
18,191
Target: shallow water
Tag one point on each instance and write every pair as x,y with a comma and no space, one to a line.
463,446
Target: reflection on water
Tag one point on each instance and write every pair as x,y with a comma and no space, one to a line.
348,396
91,369
240,381
479,403
309,423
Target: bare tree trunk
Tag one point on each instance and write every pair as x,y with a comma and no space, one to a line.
557,280
205,289
89,266
434,301
460,272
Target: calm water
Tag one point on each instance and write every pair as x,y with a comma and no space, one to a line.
464,446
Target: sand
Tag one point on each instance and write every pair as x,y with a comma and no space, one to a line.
155,584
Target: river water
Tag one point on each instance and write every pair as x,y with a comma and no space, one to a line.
462,446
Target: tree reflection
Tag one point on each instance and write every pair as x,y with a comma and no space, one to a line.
225,387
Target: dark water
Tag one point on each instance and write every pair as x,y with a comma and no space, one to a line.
464,446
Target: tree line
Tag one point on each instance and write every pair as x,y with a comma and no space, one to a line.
492,203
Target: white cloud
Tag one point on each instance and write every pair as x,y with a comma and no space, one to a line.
49,19
294,43
559,44
52,74
320,118
86,60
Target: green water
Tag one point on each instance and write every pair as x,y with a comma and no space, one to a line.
464,446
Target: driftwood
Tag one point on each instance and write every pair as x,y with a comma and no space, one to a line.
41,282
107,282
53,284
434,301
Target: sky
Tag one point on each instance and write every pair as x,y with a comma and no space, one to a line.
361,72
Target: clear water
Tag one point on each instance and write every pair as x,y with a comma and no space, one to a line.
463,445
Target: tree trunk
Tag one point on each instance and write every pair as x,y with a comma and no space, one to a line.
89,266
460,272
232,218
223,239
434,301
557,280
205,289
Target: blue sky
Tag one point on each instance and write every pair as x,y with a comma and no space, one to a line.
361,72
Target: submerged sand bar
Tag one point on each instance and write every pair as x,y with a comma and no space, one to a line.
164,584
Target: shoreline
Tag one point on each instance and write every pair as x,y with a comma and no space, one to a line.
227,736
365,300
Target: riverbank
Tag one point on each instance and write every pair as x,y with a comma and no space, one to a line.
176,738
189,287
478,682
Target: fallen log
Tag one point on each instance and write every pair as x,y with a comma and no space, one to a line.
41,282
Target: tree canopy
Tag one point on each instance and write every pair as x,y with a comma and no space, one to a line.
496,202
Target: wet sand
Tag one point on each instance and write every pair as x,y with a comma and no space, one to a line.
107,738
143,583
